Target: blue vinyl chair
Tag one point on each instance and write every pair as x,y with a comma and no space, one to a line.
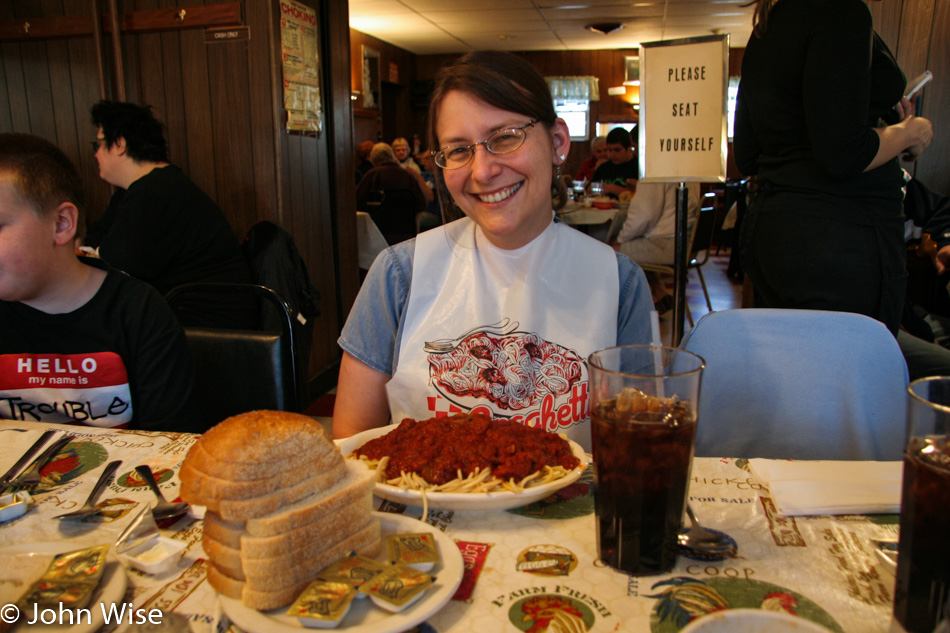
799,384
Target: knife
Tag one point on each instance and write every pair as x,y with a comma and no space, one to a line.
26,457
31,476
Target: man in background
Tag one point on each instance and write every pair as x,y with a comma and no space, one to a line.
648,235
159,226
620,172
404,155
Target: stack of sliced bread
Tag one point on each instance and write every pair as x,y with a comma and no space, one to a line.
282,504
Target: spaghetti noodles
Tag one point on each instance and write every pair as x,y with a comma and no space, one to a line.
467,453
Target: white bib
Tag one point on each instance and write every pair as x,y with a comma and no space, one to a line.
506,333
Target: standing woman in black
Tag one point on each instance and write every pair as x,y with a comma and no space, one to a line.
820,123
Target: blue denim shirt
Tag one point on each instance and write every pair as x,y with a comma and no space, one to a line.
374,327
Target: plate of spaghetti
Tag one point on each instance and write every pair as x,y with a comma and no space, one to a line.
466,462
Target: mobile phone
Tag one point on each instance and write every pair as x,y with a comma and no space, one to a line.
918,83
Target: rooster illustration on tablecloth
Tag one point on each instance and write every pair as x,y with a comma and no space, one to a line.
683,599
553,614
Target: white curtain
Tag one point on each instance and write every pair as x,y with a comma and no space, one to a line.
574,87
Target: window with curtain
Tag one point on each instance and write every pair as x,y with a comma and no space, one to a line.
572,97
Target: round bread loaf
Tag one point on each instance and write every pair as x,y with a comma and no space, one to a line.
262,437
252,463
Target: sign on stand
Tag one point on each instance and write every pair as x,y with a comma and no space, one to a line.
683,138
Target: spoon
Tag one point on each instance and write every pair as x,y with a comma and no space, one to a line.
89,508
702,542
163,509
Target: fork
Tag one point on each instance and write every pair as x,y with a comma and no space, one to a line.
31,478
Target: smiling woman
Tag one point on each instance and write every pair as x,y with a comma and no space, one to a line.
501,268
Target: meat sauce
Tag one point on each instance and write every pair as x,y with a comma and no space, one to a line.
437,448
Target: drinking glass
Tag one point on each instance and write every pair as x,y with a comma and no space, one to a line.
596,189
644,408
578,186
923,560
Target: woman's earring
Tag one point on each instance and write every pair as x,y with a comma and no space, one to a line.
563,156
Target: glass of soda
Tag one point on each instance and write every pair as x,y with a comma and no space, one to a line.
644,407
922,591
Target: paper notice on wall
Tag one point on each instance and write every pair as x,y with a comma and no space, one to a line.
683,109
301,66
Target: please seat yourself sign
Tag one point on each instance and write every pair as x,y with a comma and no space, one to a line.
683,107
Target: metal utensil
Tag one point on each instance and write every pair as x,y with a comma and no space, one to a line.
89,508
31,478
25,458
163,509
703,542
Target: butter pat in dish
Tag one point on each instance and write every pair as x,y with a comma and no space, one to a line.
14,505
154,556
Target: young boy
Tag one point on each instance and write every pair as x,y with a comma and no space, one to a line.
80,343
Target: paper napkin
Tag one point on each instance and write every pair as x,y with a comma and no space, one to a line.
802,488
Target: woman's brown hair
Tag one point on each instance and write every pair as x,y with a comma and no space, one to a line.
760,17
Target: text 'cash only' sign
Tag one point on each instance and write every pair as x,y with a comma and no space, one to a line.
683,107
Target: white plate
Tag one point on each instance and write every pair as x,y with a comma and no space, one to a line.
751,621
464,500
364,616
23,564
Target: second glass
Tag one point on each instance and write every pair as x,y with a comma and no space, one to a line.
922,592
644,409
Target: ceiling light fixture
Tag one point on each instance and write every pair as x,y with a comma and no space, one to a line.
604,27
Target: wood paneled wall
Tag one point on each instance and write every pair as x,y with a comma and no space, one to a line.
222,105
917,32
396,116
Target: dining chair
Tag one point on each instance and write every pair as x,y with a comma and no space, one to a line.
697,247
799,384
240,370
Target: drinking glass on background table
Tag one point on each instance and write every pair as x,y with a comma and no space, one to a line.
922,593
578,186
643,422
596,189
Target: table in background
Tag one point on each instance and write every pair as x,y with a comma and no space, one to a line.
369,239
591,220
818,567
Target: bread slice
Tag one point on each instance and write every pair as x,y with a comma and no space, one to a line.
252,507
258,444
358,482
282,587
270,574
263,555
226,532
202,488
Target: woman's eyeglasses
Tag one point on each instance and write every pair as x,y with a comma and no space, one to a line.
96,143
501,142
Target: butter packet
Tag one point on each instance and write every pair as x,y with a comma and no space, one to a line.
397,587
55,594
416,550
84,565
323,604
354,570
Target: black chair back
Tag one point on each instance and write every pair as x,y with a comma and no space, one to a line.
240,370
394,212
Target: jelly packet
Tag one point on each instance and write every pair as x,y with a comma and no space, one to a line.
55,594
84,565
397,587
416,550
323,604
354,570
